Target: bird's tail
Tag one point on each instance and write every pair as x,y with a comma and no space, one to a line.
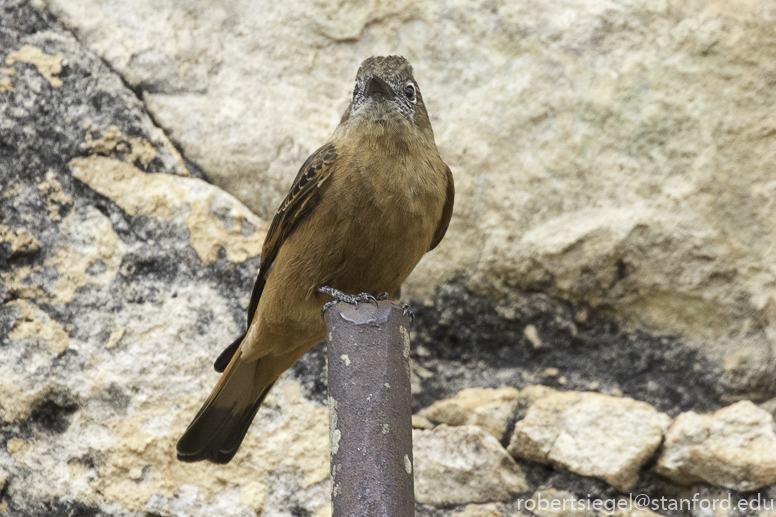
219,427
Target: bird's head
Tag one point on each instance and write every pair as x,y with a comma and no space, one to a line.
387,98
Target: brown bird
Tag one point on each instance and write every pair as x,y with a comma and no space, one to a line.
361,213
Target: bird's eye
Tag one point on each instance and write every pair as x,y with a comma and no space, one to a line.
409,91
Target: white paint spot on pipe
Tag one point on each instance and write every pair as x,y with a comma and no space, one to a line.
334,433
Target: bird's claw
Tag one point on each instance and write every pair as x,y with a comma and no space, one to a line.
406,310
352,299
326,307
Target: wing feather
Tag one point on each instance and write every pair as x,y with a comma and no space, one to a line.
447,212
302,198
300,201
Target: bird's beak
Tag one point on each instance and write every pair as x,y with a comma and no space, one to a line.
376,86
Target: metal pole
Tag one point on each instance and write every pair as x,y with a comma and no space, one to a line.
370,411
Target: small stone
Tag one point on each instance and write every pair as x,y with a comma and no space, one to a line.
734,448
591,434
532,335
16,445
551,372
115,336
457,465
421,422
488,408
421,372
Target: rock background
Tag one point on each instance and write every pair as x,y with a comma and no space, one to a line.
614,232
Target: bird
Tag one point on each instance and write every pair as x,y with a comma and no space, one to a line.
361,213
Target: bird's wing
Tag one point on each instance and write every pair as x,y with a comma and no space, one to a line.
301,199
303,196
447,212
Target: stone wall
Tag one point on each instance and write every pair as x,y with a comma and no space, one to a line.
600,319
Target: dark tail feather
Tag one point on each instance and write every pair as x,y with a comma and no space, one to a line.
217,431
223,360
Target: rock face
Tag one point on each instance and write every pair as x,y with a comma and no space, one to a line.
614,232
591,434
734,447
463,465
121,278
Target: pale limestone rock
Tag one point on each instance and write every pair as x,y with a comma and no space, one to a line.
488,408
591,434
734,447
600,149
455,465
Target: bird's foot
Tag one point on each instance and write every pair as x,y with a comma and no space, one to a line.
352,299
406,308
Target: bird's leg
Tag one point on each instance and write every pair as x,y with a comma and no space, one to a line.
352,299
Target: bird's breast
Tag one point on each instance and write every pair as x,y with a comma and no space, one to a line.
390,207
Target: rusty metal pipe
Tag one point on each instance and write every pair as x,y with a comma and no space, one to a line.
370,411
